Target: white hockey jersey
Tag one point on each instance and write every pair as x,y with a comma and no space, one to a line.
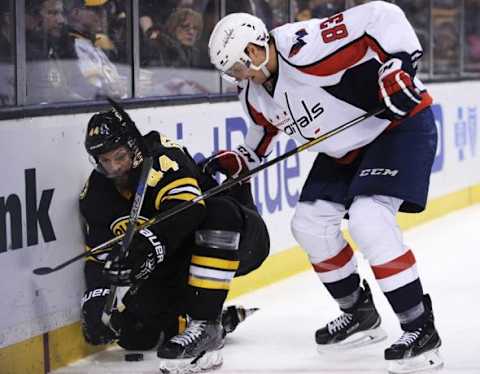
328,75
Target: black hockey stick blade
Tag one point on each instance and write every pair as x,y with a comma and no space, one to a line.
44,270
230,182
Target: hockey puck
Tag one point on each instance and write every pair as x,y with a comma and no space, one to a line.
134,357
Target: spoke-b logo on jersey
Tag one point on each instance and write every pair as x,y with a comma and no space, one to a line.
119,226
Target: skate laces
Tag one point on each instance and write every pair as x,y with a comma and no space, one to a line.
408,337
339,323
192,332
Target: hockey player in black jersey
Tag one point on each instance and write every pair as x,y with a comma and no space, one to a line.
179,270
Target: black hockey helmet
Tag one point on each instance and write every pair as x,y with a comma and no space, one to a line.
109,130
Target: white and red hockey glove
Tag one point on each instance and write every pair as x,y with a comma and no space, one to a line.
229,163
397,90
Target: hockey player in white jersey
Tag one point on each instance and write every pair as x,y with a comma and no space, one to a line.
305,79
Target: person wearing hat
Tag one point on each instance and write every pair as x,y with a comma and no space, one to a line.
98,76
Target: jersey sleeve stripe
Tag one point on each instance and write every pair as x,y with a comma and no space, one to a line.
183,196
344,57
182,182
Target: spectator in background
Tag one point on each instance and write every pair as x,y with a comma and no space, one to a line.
98,75
45,25
318,9
6,34
446,37
175,46
47,75
472,35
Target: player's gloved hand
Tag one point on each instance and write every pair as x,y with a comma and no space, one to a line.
397,90
145,252
94,331
229,163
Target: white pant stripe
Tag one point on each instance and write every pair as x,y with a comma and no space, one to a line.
200,272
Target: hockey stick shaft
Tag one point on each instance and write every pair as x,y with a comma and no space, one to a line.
216,190
130,231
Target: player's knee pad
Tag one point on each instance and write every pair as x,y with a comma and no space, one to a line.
218,239
316,227
373,226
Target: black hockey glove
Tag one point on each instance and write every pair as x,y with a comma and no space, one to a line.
397,91
94,331
144,254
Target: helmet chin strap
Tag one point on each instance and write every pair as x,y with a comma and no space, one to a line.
263,65
265,71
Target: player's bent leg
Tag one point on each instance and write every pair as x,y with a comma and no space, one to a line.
213,265
373,226
316,226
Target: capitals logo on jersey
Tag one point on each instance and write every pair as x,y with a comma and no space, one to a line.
299,43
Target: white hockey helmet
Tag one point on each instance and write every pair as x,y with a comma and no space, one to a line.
228,42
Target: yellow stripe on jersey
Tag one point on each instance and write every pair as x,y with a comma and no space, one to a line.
210,284
176,183
215,262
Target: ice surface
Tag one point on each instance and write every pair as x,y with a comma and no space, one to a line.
279,337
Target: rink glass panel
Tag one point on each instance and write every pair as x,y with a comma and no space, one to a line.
472,36
7,54
76,53
138,50
173,42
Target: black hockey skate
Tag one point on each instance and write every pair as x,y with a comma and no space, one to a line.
357,328
197,349
416,350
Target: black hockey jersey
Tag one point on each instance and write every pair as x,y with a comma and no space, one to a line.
173,179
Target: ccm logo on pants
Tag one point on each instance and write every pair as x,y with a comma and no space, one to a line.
387,172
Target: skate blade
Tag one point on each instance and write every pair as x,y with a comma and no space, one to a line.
209,361
426,362
357,340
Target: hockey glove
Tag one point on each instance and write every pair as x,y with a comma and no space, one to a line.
94,331
145,252
397,90
229,163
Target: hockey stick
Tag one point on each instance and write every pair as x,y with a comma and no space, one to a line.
128,236
116,293
214,191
